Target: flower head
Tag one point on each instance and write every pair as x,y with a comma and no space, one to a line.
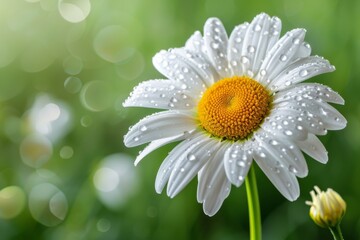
327,208
232,100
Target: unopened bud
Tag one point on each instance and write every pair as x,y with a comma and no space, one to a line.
327,208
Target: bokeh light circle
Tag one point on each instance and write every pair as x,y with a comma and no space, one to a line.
132,67
48,204
66,152
72,84
12,202
35,150
116,180
74,11
96,96
113,44
72,65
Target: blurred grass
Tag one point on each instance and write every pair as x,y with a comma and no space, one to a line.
35,40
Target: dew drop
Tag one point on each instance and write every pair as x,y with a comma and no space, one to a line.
303,73
182,169
263,155
257,27
273,142
185,70
276,170
262,72
191,157
296,41
299,127
288,133
173,100
238,39
241,178
215,45
162,95
136,139
298,98
183,86
245,60
241,163
143,128
283,58
251,49
288,184
285,122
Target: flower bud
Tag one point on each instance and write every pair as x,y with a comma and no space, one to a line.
327,208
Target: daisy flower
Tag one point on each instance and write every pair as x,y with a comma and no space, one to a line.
234,100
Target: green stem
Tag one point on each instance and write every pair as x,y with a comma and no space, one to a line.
254,206
336,232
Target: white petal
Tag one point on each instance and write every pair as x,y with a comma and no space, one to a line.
303,119
169,162
288,154
176,67
188,165
159,125
238,63
256,42
237,162
330,117
162,94
284,180
314,148
303,51
281,54
313,90
284,124
203,65
157,144
199,56
216,43
195,43
216,196
213,186
208,174
300,71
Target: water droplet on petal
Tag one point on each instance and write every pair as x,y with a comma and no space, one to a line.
296,41
257,27
173,100
262,154
303,73
191,157
251,49
241,163
244,59
283,58
215,45
143,128
273,142
288,132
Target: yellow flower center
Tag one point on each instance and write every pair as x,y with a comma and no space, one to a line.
233,108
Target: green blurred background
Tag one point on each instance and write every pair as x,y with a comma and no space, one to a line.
65,68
